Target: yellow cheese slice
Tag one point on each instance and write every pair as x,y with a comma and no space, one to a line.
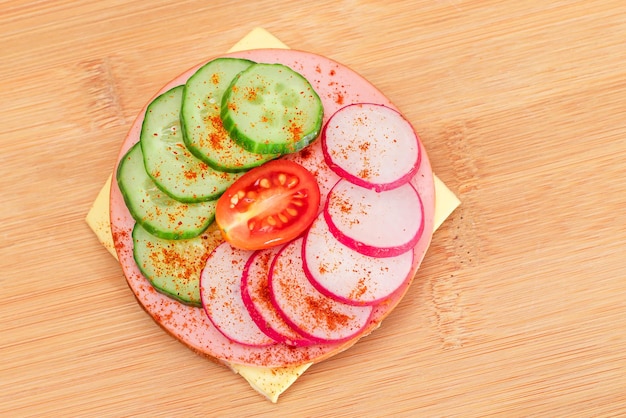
98,218
269,382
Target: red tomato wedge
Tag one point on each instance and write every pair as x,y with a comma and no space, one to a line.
268,206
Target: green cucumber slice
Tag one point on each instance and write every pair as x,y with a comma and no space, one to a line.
149,206
173,267
168,161
203,132
270,108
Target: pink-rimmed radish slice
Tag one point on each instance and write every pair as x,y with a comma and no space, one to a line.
376,224
346,275
304,308
371,145
220,291
255,292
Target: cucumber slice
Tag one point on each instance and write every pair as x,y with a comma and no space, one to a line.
173,267
270,108
203,131
158,213
168,161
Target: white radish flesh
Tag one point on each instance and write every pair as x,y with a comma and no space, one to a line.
348,276
377,224
371,145
311,313
256,297
220,290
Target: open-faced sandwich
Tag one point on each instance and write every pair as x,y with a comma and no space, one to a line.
270,207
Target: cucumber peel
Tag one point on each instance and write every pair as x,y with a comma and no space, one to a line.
173,267
168,161
271,109
203,131
157,212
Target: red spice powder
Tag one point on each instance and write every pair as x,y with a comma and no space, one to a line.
345,206
365,173
251,94
218,133
263,289
323,313
295,130
177,264
360,289
216,141
265,295
119,238
306,153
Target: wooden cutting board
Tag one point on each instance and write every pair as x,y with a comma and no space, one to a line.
520,306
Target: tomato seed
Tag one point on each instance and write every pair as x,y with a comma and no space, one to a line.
293,181
282,179
265,183
291,211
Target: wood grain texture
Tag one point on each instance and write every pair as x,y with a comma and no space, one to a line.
520,306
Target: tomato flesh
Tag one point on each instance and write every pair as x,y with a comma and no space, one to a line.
269,205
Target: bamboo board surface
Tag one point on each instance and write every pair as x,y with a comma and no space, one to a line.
519,308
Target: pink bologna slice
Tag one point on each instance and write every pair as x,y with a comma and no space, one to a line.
256,296
337,87
376,224
312,158
220,292
371,145
307,310
348,276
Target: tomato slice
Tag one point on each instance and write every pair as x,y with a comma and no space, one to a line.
268,206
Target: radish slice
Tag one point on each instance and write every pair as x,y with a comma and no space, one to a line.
371,145
348,276
220,291
307,310
255,292
377,224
